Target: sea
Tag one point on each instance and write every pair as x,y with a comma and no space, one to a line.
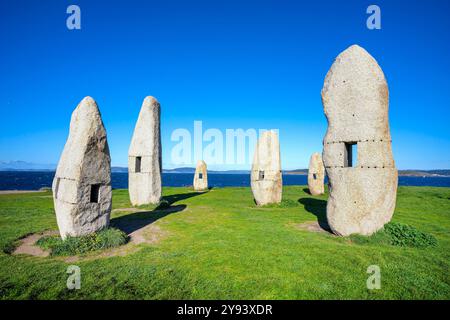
35,180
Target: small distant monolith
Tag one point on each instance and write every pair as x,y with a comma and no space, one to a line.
357,151
201,176
82,183
316,174
266,180
144,156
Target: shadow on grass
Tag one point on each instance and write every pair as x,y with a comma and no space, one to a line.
305,190
318,208
178,197
137,220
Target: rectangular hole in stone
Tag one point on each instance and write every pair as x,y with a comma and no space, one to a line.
200,175
95,193
351,154
261,175
137,167
354,154
314,176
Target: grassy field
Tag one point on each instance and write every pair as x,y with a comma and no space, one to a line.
218,245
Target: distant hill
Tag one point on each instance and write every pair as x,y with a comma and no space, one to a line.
187,170
424,173
29,166
407,173
180,170
192,170
296,171
25,166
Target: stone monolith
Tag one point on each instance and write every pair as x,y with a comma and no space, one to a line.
144,156
201,176
266,180
316,174
357,151
82,182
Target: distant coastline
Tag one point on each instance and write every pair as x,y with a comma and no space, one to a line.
36,180
32,167
403,173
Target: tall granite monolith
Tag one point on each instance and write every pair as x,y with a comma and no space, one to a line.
357,151
266,179
201,176
82,182
144,156
316,174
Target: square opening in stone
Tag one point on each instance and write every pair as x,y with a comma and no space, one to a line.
137,166
261,175
200,175
95,193
350,154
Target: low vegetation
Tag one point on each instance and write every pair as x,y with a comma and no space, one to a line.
406,236
398,234
285,203
219,245
104,239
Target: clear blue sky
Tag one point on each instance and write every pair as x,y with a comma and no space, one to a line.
231,64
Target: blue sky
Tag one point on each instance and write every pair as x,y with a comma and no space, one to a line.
230,64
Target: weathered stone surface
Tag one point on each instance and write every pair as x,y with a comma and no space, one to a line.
356,101
82,183
266,180
201,176
144,156
316,174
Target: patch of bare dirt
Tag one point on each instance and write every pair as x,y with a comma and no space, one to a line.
314,226
149,234
28,245
143,230
112,252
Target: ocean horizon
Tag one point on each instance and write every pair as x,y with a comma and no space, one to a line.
35,180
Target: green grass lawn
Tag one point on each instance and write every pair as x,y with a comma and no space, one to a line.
218,245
